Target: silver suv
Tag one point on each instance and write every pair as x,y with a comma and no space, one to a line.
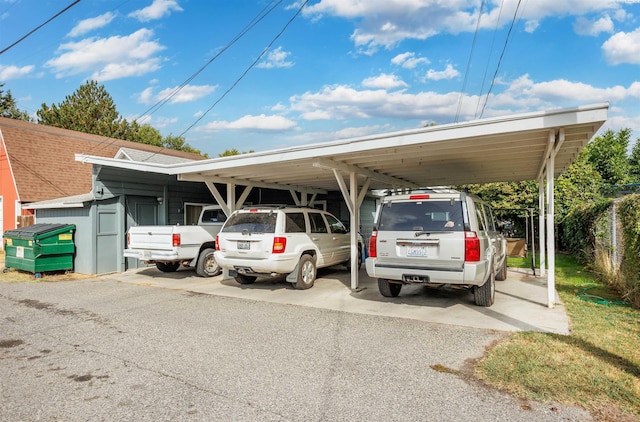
437,239
272,241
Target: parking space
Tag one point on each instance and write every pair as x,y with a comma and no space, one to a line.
520,302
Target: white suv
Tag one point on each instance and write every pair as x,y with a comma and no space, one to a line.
437,239
273,241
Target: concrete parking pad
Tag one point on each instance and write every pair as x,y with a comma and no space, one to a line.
520,304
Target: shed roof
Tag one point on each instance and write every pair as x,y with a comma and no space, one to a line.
508,148
42,158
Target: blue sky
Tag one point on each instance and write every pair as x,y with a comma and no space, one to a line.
285,73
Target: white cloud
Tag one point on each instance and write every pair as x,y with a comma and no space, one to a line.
189,93
448,73
156,10
346,133
385,23
109,58
276,59
88,25
408,60
340,102
584,26
251,123
385,81
14,72
623,47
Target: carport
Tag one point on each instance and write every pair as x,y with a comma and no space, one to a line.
532,146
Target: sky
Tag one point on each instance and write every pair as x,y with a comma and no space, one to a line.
265,74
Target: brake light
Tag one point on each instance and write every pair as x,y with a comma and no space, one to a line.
373,245
471,247
419,196
128,239
217,243
279,244
175,239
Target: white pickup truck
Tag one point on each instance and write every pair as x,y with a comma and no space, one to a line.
171,246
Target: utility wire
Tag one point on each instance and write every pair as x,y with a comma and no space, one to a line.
486,68
259,17
248,69
466,73
504,48
40,26
263,13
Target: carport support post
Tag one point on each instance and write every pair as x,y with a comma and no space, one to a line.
543,261
551,280
355,227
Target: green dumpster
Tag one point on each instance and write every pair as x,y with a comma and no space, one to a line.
40,247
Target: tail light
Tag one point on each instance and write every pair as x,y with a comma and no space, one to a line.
373,245
128,240
279,244
471,247
175,240
217,243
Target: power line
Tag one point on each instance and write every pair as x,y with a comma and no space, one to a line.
466,73
246,29
40,26
504,48
248,69
486,68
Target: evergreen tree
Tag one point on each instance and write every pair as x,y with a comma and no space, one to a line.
9,108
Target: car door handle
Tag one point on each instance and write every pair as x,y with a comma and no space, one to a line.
314,238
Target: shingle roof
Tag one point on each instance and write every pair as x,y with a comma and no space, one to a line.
43,158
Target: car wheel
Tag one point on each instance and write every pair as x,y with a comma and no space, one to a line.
388,289
207,265
306,273
245,279
502,275
484,295
167,267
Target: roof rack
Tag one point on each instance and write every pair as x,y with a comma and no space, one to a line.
431,189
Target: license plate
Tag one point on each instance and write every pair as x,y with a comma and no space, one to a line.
416,251
146,254
243,244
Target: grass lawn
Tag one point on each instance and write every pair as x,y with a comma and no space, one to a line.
596,367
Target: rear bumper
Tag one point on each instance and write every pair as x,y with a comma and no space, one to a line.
274,265
471,273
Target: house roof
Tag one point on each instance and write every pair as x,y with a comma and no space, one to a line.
42,158
501,149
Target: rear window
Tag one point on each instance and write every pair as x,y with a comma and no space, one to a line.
251,222
421,216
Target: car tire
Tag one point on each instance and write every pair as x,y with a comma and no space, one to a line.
306,273
502,275
388,289
245,279
168,267
485,295
207,265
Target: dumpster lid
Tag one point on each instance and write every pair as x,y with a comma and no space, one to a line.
37,229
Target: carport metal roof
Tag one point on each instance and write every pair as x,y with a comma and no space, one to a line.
509,148
533,146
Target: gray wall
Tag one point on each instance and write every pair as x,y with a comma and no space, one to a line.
84,236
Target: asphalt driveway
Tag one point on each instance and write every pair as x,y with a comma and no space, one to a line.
100,349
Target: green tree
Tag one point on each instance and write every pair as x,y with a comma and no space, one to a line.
9,108
233,151
607,154
90,109
579,184
634,162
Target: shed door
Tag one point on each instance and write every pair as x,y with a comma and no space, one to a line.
141,211
108,249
